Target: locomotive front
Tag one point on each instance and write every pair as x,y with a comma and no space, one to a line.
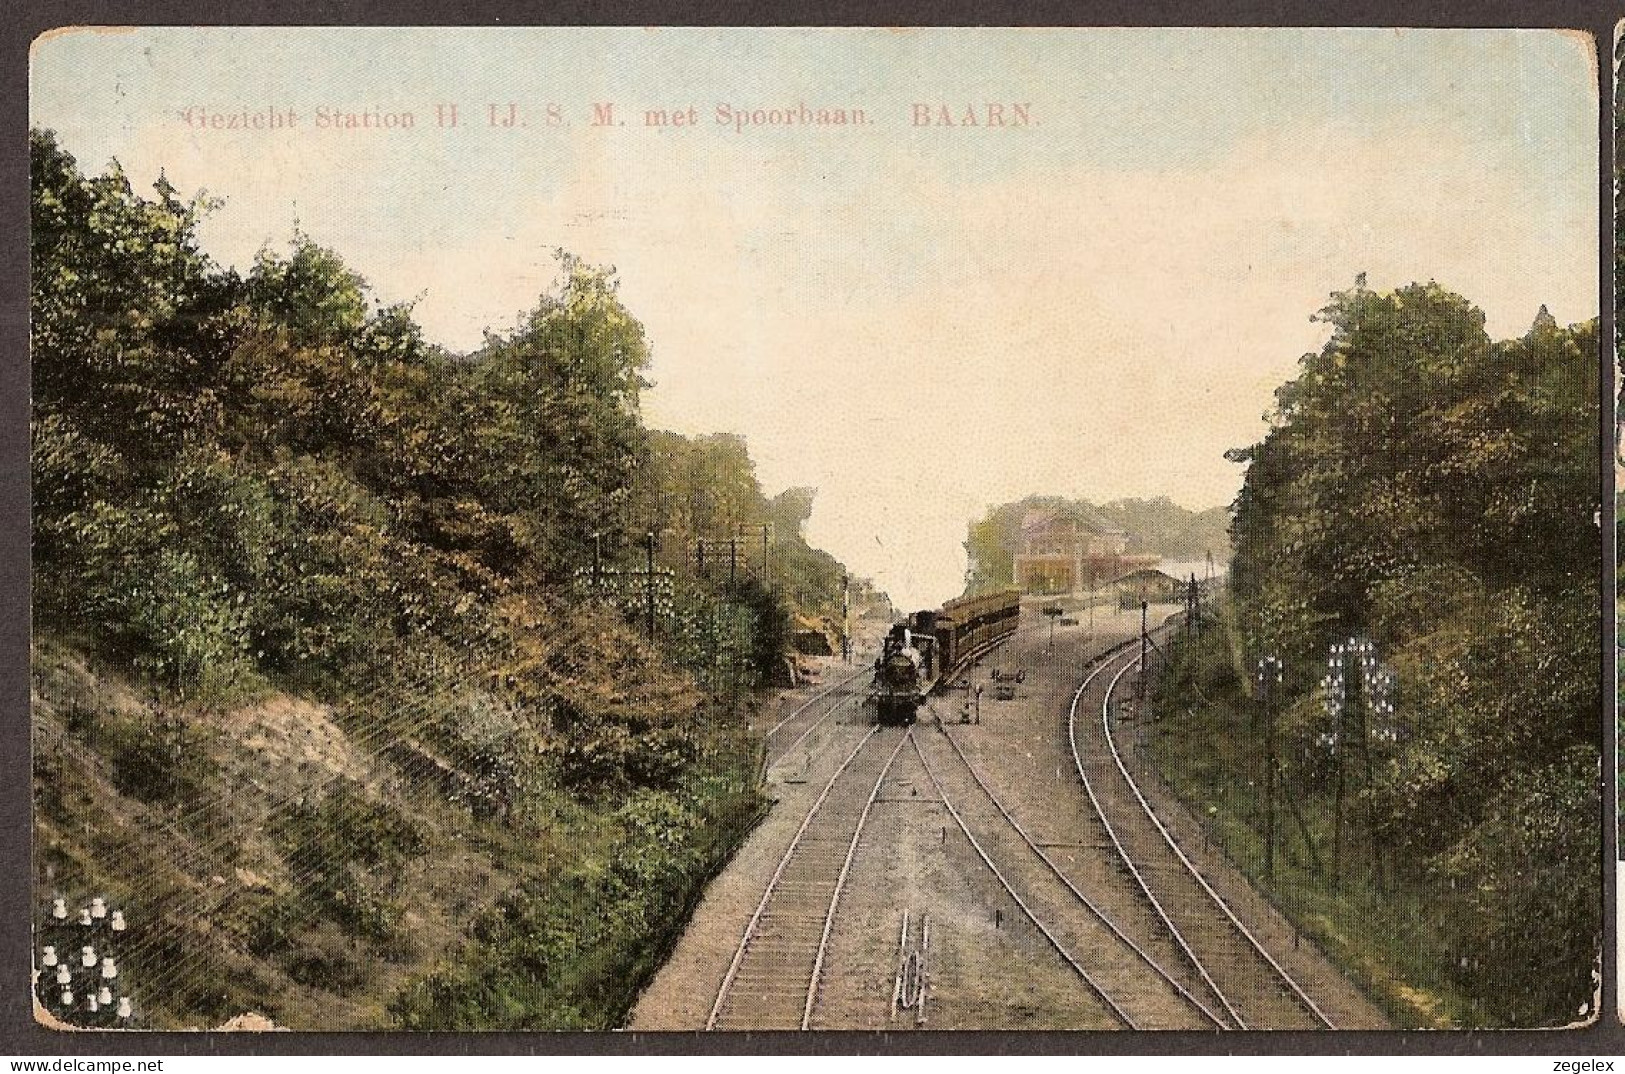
899,683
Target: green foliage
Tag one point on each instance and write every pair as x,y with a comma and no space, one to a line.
563,394
277,923
350,850
1437,492
1159,525
347,488
991,545
310,294
702,486
332,971
809,578
571,951
279,928
125,311
770,628
1208,741
162,758
493,746
274,478
159,603
1516,906
616,719
689,489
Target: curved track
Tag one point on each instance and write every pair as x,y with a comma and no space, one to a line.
1241,978
782,739
1139,993
773,980
1127,970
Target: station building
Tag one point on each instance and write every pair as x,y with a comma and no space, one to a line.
1060,555
1149,584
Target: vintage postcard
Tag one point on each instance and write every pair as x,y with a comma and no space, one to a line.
815,529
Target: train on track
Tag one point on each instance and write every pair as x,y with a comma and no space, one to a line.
926,648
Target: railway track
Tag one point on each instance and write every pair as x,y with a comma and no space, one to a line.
777,968
1072,925
1235,975
1147,994
784,737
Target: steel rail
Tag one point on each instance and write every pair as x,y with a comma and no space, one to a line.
1105,723
1100,914
1060,949
799,709
791,748
772,884
1122,852
840,881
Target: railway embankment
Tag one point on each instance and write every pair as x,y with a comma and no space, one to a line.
299,859
377,685
1200,756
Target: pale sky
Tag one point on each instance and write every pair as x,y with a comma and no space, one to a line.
919,321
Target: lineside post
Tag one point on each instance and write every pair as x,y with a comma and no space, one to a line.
1269,674
846,619
1139,682
649,544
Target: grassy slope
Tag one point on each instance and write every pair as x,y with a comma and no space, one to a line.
1208,745
226,880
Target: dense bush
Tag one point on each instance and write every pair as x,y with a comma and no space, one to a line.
256,478
570,950
1438,493
350,850
159,757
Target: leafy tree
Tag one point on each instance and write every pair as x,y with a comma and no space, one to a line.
564,434
1438,492
310,294
275,477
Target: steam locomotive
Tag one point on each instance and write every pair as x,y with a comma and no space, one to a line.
927,647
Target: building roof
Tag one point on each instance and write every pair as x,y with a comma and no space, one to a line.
1148,574
1037,518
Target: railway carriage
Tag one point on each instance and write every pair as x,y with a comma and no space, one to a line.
927,648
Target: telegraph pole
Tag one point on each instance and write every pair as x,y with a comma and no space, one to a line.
649,544
1190,607
1269,783
1091,600
703,543
1336,686
1269,673
1139,685
1337,794
846,618
766,530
